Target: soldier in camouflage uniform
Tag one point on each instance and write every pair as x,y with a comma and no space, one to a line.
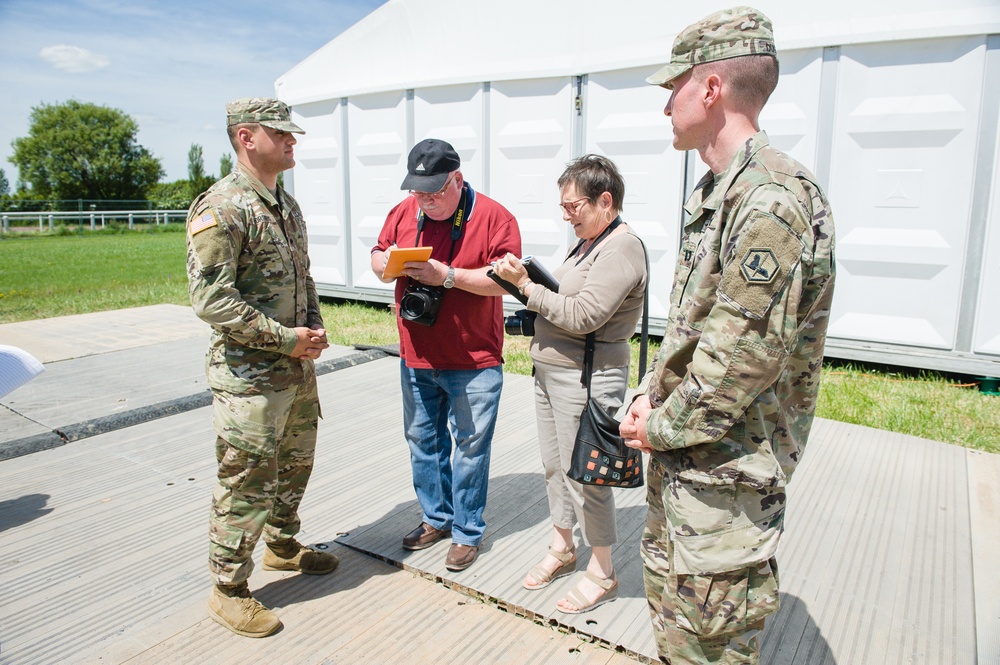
248,271
727,406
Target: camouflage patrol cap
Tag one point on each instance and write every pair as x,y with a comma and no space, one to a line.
271,113
729,33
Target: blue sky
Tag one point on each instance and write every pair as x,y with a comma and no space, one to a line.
170,65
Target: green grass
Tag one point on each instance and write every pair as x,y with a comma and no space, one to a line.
925,404
73,274
349,323
57,275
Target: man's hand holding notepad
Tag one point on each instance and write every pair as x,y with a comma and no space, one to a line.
399,256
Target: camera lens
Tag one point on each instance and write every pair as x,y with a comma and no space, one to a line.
420,304
521,322
413,305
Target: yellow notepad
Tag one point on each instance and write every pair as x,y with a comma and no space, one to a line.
400,255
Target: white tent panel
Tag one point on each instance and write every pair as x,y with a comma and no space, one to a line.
453,114
882,100
905,146
987,335
625,122
320,171
426,43
530,139
379,146
791,115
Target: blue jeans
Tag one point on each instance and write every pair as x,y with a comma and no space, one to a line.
452,492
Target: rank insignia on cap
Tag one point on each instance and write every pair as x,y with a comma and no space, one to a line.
206,221
759,266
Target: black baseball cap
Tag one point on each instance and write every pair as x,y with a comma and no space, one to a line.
429,164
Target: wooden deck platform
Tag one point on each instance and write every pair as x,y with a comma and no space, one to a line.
891,555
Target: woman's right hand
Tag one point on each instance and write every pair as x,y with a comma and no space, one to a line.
510,269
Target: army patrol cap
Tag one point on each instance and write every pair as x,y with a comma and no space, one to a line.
729,33
271,113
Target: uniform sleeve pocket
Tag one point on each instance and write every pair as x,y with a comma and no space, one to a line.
765,256
750,370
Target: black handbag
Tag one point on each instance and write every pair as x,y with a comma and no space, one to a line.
600,456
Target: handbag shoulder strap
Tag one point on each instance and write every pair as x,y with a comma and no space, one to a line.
591,340
644,333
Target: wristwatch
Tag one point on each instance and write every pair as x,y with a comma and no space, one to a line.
449,281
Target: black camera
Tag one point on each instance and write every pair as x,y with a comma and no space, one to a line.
521,322
420,303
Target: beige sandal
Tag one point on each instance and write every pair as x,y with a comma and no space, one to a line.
609,584
543,578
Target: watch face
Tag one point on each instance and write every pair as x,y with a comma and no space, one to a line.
449,281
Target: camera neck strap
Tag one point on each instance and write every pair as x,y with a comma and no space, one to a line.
457,222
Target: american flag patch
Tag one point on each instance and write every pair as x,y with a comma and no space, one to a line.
206,221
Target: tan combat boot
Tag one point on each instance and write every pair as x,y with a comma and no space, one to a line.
295,556
237,610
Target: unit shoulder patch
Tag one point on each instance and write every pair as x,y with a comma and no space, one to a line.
206,221
759,265
765,255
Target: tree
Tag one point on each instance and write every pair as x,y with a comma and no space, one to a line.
4,184
225,165
78,150
198,182
170,195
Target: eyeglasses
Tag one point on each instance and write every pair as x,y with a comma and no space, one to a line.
438,194
572,207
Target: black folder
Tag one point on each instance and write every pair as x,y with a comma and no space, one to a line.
536,272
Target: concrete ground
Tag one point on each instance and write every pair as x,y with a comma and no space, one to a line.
106,467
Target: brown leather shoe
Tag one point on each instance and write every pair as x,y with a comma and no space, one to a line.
423,536
461,557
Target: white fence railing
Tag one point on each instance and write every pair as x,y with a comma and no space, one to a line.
95,218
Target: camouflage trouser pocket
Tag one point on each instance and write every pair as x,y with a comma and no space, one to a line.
723,603
251,422
225,535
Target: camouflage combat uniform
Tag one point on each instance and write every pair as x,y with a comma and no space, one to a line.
733,390
248,269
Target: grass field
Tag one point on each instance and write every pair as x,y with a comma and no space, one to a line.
54,276
58,275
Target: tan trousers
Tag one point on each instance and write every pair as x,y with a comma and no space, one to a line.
559,400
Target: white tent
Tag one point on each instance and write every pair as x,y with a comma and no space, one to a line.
894,105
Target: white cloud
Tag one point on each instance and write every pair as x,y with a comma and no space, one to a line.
73,59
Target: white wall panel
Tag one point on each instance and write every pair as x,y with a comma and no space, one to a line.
453,114
530,125
987,330
625,121
319,187
790,116
378,150
901,187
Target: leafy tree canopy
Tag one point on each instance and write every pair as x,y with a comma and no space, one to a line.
198,182
174,195
81,150
225,165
